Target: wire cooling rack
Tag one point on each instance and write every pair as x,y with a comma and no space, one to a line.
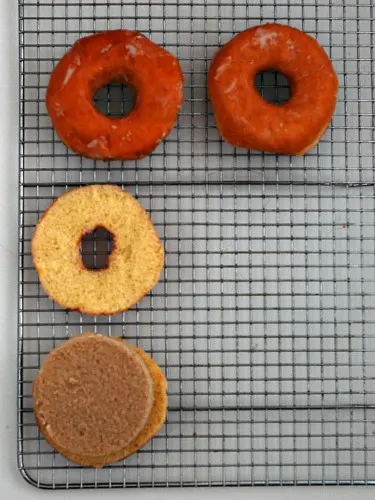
264,319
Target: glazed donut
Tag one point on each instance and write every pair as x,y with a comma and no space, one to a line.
92,63
134,266
244,118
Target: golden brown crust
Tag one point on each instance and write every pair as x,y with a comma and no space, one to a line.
92,397
134,265
158,412
244,118
93,62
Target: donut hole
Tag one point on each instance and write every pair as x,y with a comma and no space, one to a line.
273,86
95,248
115,100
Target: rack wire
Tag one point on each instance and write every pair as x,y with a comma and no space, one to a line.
264,319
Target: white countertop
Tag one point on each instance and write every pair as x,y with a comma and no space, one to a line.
13,486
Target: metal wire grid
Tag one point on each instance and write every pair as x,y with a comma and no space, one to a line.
264,319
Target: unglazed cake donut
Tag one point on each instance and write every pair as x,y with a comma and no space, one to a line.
134,266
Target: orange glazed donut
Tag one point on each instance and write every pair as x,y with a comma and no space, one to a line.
92,63
244,118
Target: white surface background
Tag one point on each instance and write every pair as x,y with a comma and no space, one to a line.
12,485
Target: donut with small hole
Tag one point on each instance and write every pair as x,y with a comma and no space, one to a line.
244,118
